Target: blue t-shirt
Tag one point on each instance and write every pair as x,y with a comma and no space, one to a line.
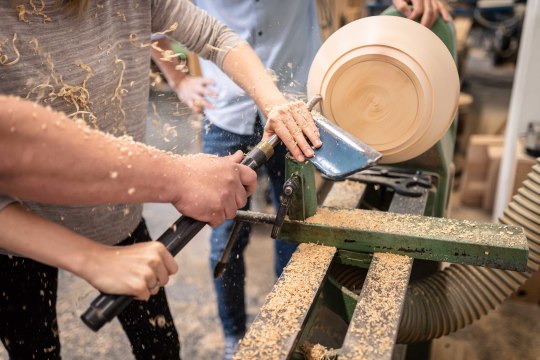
286,36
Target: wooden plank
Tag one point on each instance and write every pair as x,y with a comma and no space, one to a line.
277,327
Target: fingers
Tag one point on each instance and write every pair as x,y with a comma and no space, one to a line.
248,178
142,292
298,135
281,130
430,14
198,104
237,157
403,7
443,10
292,122
194,91
418,9
304,119
168,259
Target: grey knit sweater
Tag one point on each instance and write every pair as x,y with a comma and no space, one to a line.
106,52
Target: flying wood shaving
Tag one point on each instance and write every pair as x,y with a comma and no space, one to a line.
133,38
4,58
119,91
170,29
156,78
154,109
211,47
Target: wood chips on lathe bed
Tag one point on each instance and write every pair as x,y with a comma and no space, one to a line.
280,320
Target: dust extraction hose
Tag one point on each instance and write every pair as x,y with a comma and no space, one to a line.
460,294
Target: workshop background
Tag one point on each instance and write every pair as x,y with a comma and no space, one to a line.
488,42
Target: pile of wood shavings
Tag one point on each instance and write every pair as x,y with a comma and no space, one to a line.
421,226
285,307
315,351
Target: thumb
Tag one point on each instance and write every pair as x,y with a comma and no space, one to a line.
237,157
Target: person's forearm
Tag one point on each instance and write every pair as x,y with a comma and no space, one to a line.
29,235
245,68
47,157
129,270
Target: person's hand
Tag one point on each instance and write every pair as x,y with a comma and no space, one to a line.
138,270
292,122
428,9
193,90
214,187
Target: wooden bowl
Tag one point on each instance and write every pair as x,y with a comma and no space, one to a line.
388,81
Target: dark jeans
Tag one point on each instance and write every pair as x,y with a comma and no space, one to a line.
28,325
230,288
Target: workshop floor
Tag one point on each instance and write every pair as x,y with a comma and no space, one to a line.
508,333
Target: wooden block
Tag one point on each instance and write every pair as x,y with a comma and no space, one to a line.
481,169
494,160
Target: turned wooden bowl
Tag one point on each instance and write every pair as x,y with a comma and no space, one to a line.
390,82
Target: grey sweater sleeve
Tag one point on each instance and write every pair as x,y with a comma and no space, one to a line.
198,31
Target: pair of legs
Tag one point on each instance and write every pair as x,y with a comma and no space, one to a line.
230,288
28,322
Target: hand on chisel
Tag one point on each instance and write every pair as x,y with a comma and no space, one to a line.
215,187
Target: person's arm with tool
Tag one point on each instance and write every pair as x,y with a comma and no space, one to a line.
427,10
290,121
49,158
114,270
191,90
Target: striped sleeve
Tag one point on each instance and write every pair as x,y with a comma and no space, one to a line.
196,30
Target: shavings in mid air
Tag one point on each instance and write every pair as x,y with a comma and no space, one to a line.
119,92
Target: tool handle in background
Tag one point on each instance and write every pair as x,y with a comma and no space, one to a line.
106,307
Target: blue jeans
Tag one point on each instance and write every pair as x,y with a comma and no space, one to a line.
230,288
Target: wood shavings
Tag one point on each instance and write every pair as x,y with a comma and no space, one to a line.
121,15
156,78
285,307
414,225
39,11
4,60
211,47
133,39
21,10
76,95
169,55
376,317
118,91
154,109
170,29
315,351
